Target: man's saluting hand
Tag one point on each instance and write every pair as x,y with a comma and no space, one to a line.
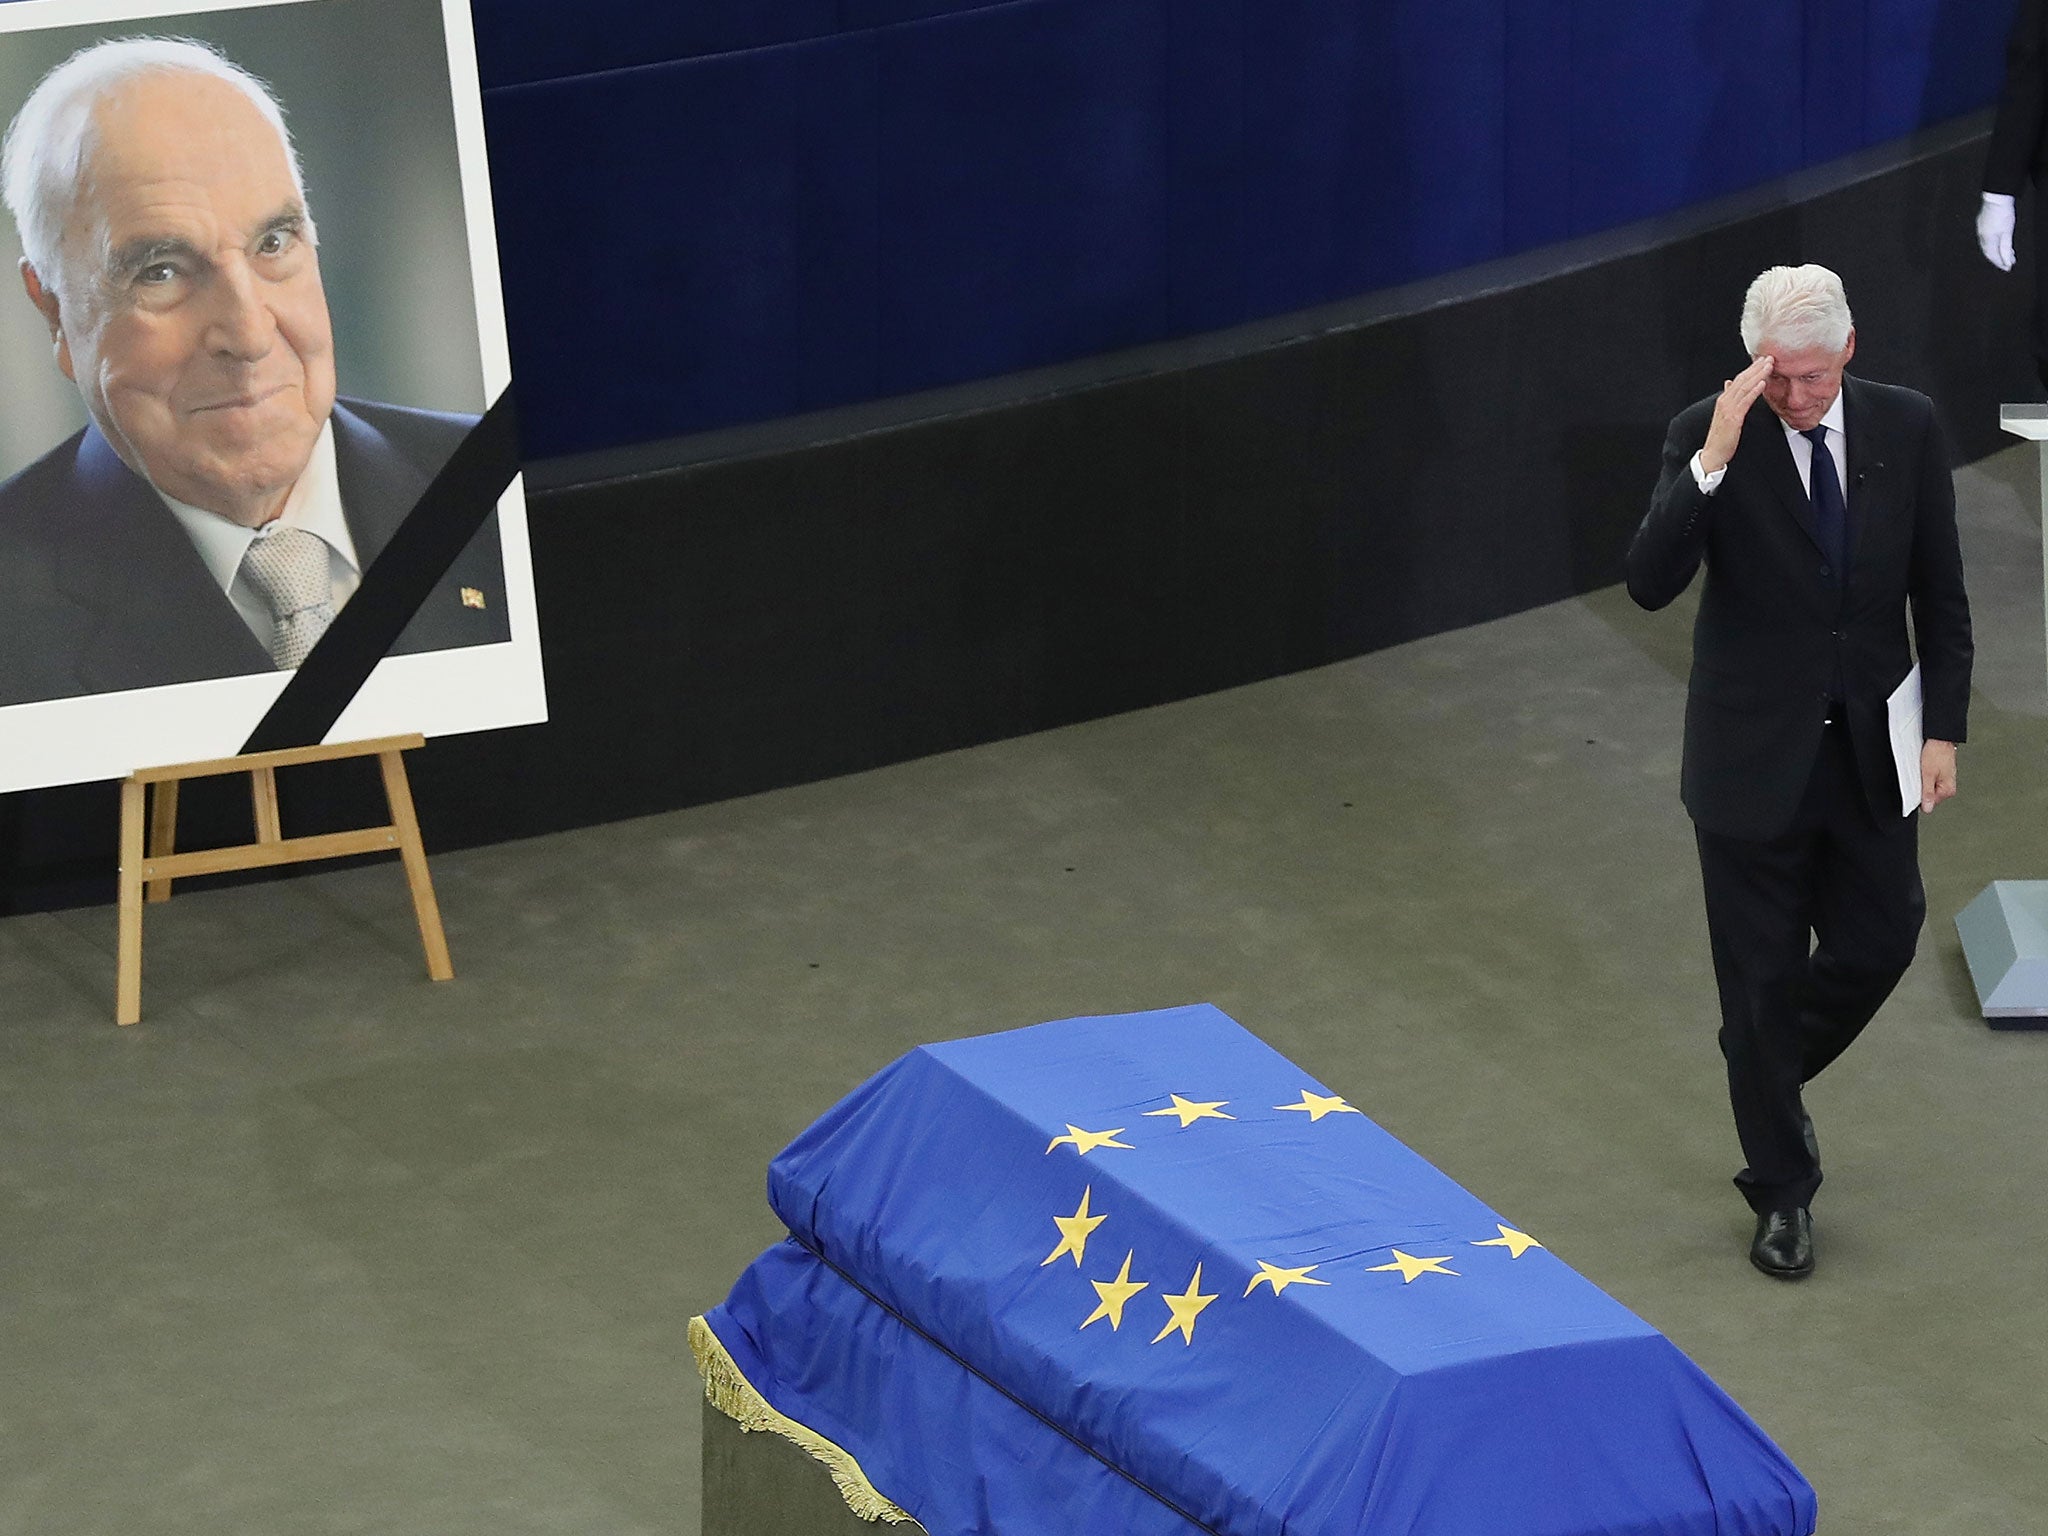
1730,411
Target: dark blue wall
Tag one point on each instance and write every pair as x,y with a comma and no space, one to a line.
734,210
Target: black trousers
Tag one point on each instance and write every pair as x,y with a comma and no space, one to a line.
1811,930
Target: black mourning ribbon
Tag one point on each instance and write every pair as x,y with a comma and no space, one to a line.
446,517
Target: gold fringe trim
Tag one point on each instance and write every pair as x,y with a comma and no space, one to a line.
729,1391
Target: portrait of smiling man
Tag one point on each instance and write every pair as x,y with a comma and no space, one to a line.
222,504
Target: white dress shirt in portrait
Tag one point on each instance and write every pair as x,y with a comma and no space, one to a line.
313,505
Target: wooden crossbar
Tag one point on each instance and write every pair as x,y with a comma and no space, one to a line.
284,757
148,874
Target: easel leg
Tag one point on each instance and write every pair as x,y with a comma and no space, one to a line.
149,818
163,831
398,792
128,962
263,792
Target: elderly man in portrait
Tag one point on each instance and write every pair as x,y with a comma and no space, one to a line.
222,504
1824,521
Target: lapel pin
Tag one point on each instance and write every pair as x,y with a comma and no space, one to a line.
472,597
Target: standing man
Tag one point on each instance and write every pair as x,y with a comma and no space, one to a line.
1822,520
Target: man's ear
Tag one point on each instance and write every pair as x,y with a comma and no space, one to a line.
45,300
1850,350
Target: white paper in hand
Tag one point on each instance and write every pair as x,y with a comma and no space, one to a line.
1902,710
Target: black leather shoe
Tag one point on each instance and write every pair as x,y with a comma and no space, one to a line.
1783,1246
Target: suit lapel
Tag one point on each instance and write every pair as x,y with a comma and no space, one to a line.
378,485
1763,439
1866,465
158,616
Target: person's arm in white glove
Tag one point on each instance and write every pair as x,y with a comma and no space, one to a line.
1995,220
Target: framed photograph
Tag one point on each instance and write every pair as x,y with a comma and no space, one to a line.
249,309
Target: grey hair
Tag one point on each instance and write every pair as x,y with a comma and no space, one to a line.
1800,308
43,159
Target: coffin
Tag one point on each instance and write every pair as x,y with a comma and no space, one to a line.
1141,1274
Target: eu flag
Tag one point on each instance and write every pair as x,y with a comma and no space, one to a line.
1140,1274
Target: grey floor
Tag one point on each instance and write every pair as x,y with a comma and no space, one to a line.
322,1247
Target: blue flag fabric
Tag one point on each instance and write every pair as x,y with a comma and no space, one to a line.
1168,1253
925,1431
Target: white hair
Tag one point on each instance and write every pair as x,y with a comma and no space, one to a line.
44,157
1800,308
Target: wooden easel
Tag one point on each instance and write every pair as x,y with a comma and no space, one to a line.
163,865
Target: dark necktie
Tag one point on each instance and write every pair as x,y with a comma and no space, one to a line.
1830,512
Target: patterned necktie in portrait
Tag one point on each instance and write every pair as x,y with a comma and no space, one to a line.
289,568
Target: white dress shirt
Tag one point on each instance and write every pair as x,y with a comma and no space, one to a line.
1802,455
314,504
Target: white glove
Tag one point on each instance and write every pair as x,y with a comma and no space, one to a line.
1994,229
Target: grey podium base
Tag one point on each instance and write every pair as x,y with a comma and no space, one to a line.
759,1484
2005,940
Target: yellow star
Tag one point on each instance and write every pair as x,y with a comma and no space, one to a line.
1319,1105
1085,1142
1074,1231
1185,1308
1111,1296
1516,1243
1190,1112
1280,1279
1410,1266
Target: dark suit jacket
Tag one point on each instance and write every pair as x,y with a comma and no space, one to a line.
2019,132
1776,632
101,590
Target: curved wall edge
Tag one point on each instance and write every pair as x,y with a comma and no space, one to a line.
1966,136
1056,547
947,191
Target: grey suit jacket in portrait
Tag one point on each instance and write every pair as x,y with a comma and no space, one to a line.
101,590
